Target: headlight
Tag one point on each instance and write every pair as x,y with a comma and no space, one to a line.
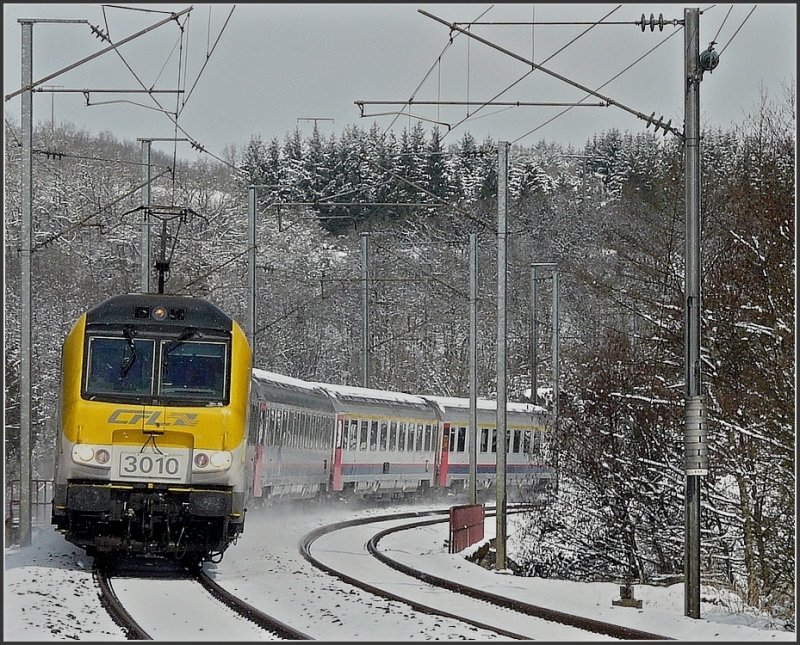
88,455
211,461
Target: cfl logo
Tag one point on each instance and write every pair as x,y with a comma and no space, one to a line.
137,417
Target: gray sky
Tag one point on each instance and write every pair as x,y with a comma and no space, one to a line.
276,63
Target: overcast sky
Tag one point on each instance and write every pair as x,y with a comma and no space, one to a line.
275,66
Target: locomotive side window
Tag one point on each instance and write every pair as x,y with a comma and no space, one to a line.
193,369
117,366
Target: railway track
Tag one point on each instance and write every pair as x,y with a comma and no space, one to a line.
193,595
507,617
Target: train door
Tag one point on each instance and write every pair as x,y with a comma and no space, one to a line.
260,440
443,456
336,470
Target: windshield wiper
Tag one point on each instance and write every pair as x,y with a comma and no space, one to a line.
128,332
185,335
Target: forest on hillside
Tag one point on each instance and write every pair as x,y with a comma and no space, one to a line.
611,218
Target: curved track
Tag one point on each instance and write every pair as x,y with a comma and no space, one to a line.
532,620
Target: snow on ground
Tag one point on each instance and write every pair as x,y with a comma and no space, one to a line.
49,594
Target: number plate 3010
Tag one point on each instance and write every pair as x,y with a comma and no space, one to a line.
167,466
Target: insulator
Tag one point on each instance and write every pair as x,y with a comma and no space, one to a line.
709,59
653,22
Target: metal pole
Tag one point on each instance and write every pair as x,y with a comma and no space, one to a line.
25,243
534,340
502,230
692,303
145,226
365,309
251,270
473,368
556,372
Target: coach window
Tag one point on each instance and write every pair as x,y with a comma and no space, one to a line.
373,436
526,442
462,439
363,436
301,430
420,430
401,436
517,433
271,427
393,435
384,436
427,445
262,427
494,439
353,434
484,439
537,442
451,439
412,433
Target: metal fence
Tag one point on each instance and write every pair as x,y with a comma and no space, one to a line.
41,499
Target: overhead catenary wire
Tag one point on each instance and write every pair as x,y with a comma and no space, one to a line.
428,73
746,18
529,72
196,145
716,36
613,78
55,236
648,119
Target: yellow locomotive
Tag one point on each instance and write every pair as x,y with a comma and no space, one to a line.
152,454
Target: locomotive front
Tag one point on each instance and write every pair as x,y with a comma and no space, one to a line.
152,448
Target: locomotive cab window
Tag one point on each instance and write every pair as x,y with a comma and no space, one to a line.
193,369
119,366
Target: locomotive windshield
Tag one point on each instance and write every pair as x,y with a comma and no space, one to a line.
189,371
193,368
119,365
